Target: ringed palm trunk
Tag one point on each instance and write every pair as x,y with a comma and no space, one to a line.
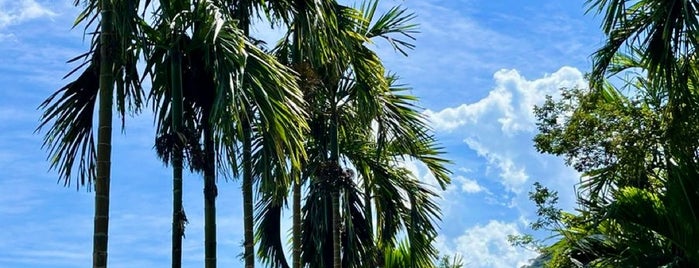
296,218
210,193
335,159
178,217
369,218
247,193
337,261
296,230
248,224
104,138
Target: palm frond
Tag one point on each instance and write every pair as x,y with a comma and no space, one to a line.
396,20
70,136
268,233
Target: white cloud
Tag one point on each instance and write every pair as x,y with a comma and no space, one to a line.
500,127
487,246
513,175
468,185
510,103
493,136
15,12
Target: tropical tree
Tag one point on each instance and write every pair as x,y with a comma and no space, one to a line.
309,42
171,142
633,212
402,136
244,12
217,59
662,34
650,184
109,68
344,97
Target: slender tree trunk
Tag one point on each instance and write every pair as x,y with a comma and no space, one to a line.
337,261
335,159
370,219
178,216
210,193
296,230
247,193
367,207
296,218
248,224
104,138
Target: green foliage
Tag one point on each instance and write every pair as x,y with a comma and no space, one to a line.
621,147
455,262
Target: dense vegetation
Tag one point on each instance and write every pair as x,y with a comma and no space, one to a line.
633,136
316,118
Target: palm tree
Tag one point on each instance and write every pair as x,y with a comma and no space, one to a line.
172,139
217,60
402,134
111,60
340,89
243,11
307,43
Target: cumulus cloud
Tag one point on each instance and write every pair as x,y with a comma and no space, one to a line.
509,104
493,138
513,175
499,128
487,246
15,12
467,185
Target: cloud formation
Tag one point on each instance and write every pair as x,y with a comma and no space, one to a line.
487,246
467,185
510,103
499,128
492,137
15,12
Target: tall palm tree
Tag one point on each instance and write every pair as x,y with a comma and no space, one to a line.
178,215
340,89
367,90
307,43
181,82
110,61
311,42
217,60
243,12
168,34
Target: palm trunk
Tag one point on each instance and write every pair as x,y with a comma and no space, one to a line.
247,193
104,139
178,218
337,261
248,224
296,230
210,193
335,159
369,218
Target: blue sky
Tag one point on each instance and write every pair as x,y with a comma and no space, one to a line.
479,67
